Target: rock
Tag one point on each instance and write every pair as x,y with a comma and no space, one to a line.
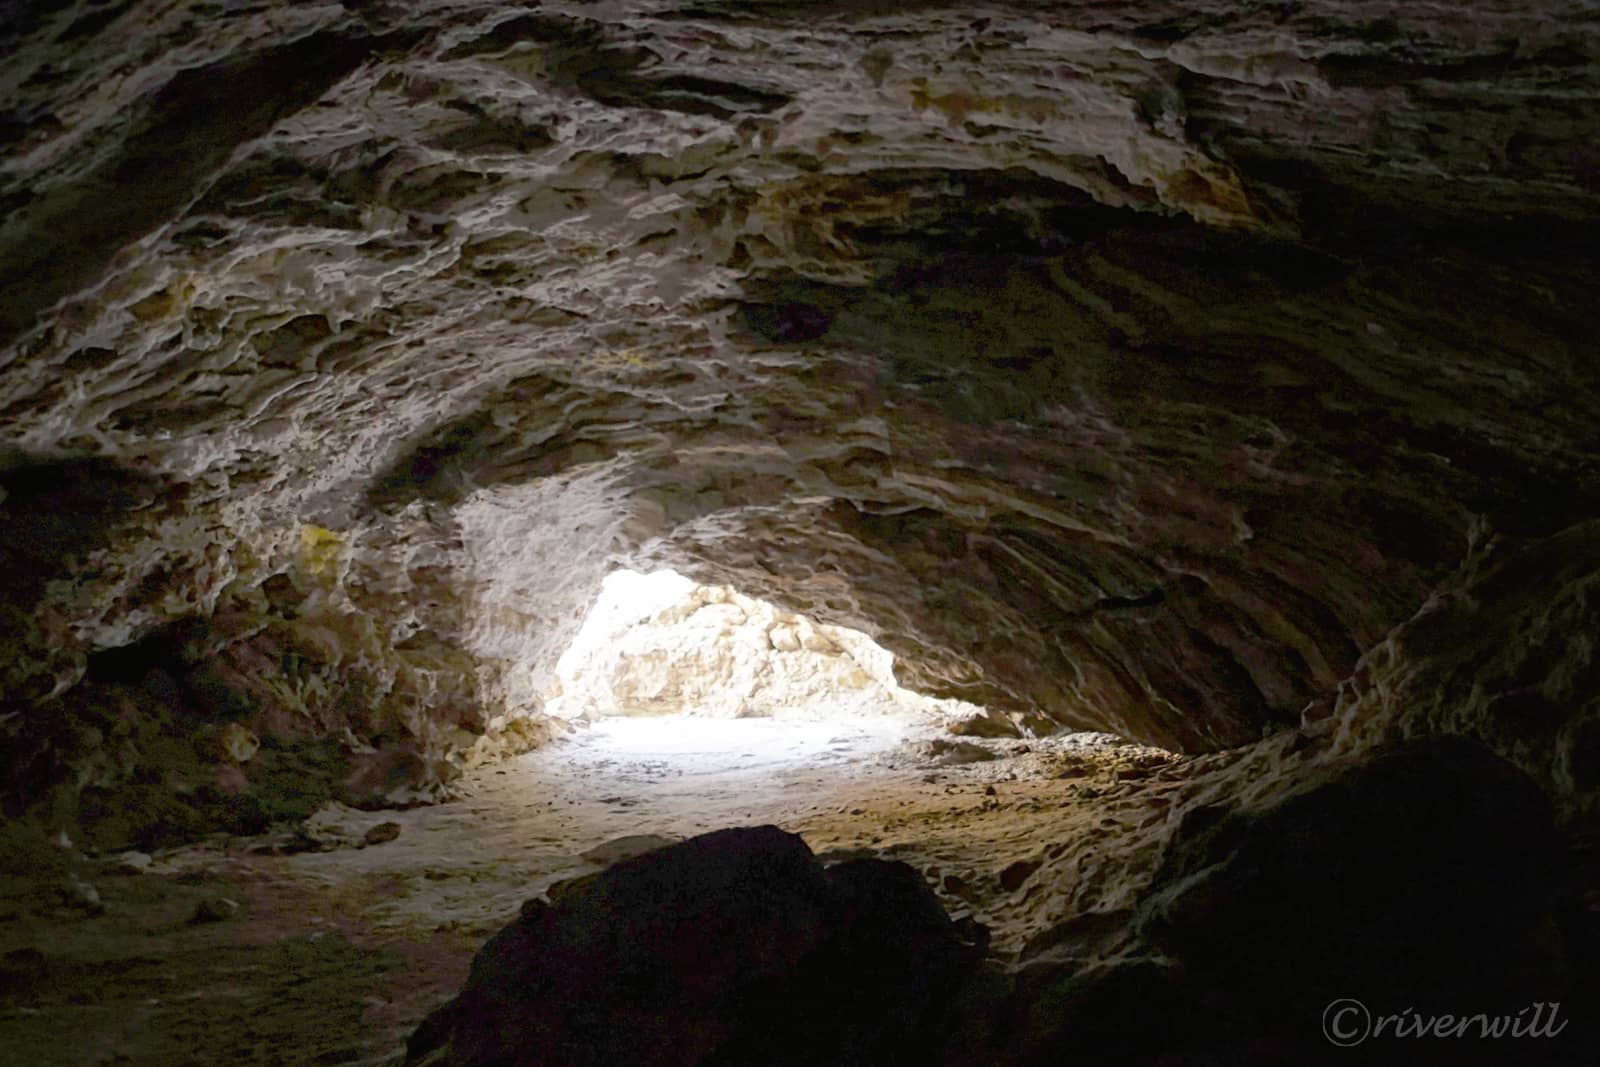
1514,665
236,743
813,641
622,848
372,778
991,724
1082,939
1127,1012
955,753
214,909
1423,880
133,862
659,643
380,834
1428,879
878,988
733,947
1429,876
560,889
687,928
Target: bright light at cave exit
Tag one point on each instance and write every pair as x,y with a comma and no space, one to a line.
668,669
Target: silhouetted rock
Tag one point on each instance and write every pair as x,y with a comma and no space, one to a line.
735,947
1430,869
1429,879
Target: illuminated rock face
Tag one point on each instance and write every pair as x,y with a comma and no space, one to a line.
660,645
1135,367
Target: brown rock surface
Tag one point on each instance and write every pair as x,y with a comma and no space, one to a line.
1222,376
1131,368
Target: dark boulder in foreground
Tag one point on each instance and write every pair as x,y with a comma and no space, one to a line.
736,947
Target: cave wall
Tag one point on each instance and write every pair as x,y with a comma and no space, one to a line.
1144,368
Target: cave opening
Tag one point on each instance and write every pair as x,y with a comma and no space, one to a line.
705,677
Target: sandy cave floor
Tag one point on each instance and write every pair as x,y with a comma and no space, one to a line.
339,946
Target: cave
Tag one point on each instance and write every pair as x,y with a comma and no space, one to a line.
781,532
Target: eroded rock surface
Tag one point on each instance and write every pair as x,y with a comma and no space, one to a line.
1136,368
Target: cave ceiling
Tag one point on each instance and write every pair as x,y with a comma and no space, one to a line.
1121,366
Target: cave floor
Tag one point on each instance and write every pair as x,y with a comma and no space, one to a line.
351,928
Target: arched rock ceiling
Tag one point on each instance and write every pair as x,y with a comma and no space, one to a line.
1134,366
